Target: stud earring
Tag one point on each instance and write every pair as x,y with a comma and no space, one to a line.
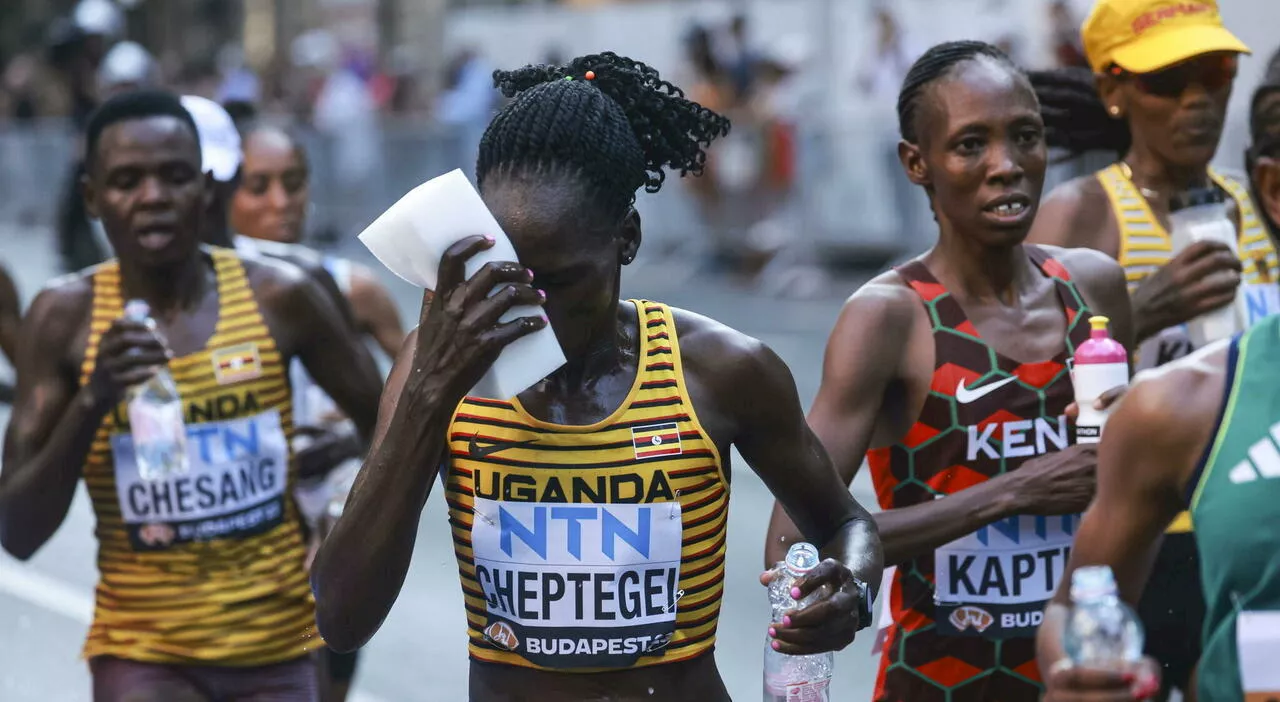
1114,110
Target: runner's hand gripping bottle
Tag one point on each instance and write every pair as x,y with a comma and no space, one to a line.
795,678
1103,633
155,417
1099,365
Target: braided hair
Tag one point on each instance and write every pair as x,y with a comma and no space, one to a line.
935,64
1075,118
616,132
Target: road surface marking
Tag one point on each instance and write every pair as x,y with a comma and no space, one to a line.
74,603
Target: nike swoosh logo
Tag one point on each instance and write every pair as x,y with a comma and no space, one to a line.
477,451
966,395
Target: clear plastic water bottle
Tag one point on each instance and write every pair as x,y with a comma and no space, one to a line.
1101,631
795,678
155,417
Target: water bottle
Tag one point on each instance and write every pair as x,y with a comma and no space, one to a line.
1100,364
1101,631
795,678
1201,214
155,417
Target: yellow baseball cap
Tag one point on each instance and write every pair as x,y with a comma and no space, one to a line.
1142,36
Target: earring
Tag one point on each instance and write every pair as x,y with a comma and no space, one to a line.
627,259
1114,110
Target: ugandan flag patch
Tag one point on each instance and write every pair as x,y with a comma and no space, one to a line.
656,440
234,364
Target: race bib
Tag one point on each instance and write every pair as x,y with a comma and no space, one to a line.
1255,302
1258,643
578,585
234,489
1260,300
995,582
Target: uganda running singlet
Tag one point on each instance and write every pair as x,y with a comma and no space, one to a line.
1145,246
1234,504
964,618
204,567
596,547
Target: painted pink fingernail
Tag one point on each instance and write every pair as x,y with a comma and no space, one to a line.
542,294
773,632
489,238
776,646
786,621
795,593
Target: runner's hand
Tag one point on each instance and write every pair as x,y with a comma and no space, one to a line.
829,624
1067,683
1104,401
1201,278
460,335
129,353
1057,483
326,451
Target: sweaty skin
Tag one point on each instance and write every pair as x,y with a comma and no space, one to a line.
1154,439
743,393
147,189
977,144
1174,139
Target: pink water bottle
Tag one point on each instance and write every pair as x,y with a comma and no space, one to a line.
1099,365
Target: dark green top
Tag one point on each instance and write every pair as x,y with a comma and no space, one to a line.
1236,506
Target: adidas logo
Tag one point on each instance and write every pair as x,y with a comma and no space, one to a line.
1263,460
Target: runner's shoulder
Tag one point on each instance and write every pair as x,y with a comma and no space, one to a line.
1088,268
61,308
276,281
1076,213
725,358
1179,396
885,299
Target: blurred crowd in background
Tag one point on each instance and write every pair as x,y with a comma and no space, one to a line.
388,93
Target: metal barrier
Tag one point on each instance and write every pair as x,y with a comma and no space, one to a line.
851,191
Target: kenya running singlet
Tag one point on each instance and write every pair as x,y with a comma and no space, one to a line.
1234,505
964,618
204,567
1145,246
595,547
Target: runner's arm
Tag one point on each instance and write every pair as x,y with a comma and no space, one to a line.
361,566
10,316
332,353
863,383
1158,432
777,443
375,311
50,430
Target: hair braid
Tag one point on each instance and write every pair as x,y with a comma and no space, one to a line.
618,132
935,64
1075,118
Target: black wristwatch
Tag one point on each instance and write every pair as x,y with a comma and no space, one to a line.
864,604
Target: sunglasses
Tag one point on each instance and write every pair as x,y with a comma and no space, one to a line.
1213,73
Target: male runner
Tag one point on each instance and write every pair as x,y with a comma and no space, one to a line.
1162,79
962,390
202,594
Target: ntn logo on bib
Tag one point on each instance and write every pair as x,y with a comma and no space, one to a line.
578,585
235,486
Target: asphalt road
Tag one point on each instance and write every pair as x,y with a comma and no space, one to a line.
420,653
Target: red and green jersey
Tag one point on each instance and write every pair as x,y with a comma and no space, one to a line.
964,616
